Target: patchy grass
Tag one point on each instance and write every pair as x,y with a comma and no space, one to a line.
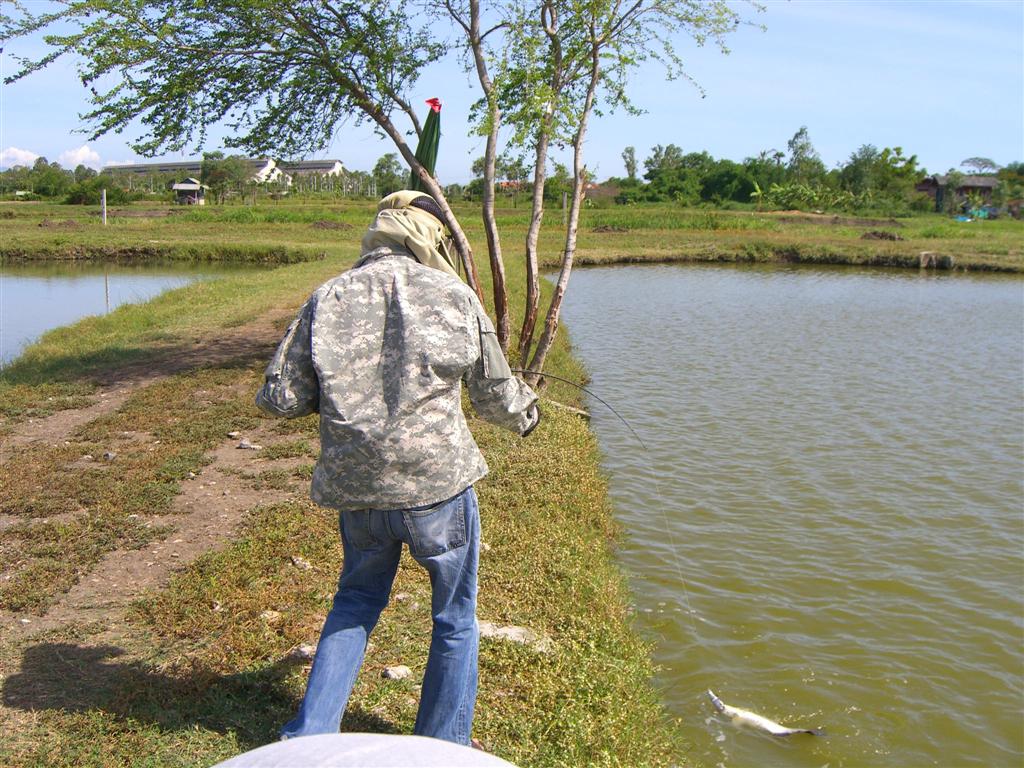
45,559
158,436
288,450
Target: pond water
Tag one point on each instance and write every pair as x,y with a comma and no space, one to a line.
827,527
37,297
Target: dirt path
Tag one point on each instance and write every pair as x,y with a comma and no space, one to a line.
205,515
256,339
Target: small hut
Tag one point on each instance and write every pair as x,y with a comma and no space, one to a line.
937,187
190,192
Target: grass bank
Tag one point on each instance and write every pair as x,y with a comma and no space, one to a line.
202,668
290,231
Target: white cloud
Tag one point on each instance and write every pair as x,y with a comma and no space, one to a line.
13,156
84,155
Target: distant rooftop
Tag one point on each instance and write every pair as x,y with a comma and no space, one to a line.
980,182
190,166
179,167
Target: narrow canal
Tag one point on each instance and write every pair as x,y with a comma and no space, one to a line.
37,297
828,526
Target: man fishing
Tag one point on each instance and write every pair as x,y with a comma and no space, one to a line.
380,352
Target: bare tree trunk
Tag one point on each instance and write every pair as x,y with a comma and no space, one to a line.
549,20
547,339
502,325
532,235
490,162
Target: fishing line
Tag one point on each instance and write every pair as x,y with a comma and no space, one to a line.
672,543
657,485
584,389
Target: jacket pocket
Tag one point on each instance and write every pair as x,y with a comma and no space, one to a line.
436,529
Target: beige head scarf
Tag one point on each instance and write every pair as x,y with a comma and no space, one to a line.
412,228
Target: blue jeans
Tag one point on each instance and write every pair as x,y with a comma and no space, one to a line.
445,539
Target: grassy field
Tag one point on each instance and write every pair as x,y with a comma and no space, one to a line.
294,231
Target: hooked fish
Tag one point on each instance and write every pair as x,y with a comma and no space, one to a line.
754,720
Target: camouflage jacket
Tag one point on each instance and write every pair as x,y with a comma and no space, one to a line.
381,351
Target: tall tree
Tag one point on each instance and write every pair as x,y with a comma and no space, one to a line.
673,176
629,160
83,172
804,163
572,54
1011,183
49,179
859,173
467,14
387,174
223,174
281,75
980,165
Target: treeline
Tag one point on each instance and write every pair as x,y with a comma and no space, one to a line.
228,177
871,180
43,179
83,185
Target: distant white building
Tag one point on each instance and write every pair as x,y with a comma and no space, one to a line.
268,171
314,167
262,170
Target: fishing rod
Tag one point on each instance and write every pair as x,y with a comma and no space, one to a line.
580,387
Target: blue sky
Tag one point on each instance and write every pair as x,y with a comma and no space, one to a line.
942,79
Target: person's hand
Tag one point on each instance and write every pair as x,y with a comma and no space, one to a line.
536,415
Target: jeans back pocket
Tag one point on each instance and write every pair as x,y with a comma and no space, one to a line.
355,529
436,529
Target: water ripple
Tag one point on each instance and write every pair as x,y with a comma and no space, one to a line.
829,524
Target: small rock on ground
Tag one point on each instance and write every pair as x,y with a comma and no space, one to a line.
514,634
399,672
304,652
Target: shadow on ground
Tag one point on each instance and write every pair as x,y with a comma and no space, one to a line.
68,677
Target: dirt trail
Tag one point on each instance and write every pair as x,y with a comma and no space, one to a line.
205,515
253,340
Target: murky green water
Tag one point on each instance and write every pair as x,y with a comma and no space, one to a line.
828,528
36,297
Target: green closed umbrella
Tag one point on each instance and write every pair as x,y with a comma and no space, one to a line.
426,151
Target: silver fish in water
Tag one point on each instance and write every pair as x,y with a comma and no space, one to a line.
745,717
